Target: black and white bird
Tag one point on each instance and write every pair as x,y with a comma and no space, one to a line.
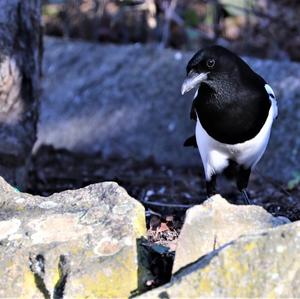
234,109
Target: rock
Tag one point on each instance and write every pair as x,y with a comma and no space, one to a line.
80,243
215,223
264,265
20,71
126,100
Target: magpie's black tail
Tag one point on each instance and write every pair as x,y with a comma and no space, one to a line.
191,141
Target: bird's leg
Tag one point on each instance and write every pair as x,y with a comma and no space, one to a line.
211,186
242,182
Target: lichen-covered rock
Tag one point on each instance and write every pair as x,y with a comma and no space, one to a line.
126,100
265,265
216,222
80,243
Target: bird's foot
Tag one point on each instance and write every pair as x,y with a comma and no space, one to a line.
246,197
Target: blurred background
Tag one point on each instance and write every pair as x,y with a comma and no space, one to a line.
90,92
262,28
111,107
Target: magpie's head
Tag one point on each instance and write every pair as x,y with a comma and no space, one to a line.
209,64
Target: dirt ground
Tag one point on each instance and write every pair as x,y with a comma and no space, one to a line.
165,191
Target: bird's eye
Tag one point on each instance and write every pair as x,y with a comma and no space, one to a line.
210,63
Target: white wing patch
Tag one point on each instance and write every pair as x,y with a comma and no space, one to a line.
196,93
272,98
269,90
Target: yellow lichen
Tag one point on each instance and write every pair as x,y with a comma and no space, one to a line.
29,287
120,282
139,223
205,286
250,246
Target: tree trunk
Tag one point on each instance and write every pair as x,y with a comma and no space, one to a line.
20,70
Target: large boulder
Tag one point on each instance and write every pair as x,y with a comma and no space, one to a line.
126,100
264,265
215,223
81,243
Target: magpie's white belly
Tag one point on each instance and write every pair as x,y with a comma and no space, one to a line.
216,155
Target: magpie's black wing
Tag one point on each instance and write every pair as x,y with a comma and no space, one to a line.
191,141
193,114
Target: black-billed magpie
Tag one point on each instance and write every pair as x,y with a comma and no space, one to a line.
234,109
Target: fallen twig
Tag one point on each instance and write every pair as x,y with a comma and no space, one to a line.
169,205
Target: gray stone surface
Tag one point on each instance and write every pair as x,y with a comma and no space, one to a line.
80,244
126,100
265,265
216,222
20,69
